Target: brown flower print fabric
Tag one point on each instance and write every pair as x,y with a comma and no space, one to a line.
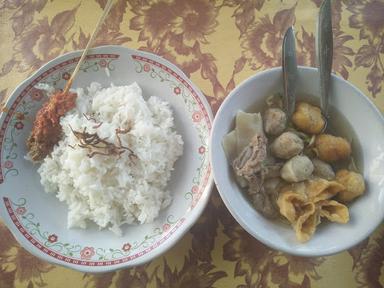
367,17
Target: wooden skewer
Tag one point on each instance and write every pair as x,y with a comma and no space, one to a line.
90,42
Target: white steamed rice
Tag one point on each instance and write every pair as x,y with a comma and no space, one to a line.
109,190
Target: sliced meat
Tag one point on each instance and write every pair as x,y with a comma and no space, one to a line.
250,160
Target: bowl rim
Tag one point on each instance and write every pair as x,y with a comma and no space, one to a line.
237,215
193,215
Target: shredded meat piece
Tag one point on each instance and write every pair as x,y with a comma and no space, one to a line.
46,131
250,160
251,164
97,146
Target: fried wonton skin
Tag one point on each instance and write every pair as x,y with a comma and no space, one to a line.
320,189
290,204
305,203
299,188
305,225
302,214
333,211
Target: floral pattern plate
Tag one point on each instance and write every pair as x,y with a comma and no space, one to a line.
39,220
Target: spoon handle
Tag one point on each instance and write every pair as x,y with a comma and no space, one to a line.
289,64
325,53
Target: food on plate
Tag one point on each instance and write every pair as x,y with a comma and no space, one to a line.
247,126
297,169
319,189
334,211
270,193
246,145
287,145
250,160
287,168
304,204
331,148
300,213
265,202
272,168
275,121
46,131
308,118
114,158
353,183
305,225
322,169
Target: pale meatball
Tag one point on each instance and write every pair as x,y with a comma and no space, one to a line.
323,170
353,183
331,148
308,118
287,145
275,121
297,169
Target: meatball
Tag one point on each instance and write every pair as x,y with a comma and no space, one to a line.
287,145
297,169
308,118
331,148
353,183
323,170
275,121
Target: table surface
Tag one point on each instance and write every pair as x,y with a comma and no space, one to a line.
217,44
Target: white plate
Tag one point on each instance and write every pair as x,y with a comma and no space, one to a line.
39,221
366,212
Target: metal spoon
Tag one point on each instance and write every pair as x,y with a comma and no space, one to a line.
324,51
289,64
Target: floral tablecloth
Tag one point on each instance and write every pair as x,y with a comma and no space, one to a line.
218,44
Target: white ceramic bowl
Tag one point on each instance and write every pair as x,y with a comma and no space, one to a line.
366,213
39,221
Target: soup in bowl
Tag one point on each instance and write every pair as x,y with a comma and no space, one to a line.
351,114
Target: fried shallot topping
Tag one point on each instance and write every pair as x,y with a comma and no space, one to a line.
93,119
98,146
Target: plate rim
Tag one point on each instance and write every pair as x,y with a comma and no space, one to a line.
193,215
